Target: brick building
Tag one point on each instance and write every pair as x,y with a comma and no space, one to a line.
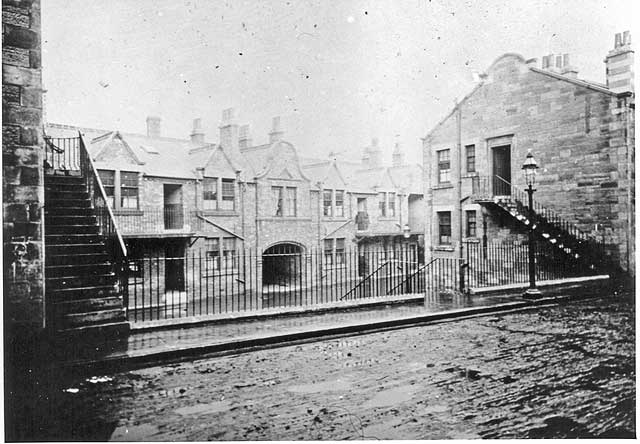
178,199
580,132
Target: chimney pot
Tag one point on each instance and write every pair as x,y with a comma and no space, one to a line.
620,64
276,131
618,41
153,126
626,37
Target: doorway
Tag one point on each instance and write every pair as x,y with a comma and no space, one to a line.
281,264
502,170
173,214
174,266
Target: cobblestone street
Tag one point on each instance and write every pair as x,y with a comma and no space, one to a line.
566,371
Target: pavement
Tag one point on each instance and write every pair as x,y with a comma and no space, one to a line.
174,343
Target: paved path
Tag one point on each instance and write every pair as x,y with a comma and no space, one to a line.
564,371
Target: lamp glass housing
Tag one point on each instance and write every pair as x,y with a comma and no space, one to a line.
530,168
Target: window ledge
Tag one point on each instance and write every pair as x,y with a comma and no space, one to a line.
387,219
334,218
470,175
123,212
206,213
443,248
442,186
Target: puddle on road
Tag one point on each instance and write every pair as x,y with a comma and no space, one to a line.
391,397
197,409
140,432
325,386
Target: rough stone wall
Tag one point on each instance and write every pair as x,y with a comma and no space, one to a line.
22,172
577,134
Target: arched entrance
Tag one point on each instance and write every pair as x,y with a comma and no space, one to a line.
281,264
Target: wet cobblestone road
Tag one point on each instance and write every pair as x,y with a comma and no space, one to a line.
566,371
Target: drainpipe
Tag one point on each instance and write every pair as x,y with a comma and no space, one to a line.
320,214
459,192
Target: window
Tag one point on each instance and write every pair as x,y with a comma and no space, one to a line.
291,201
340,251
382,205
212,259
444,228
471,158
471,223
328,251
339,203
210,193
129,190
228,195
391,201
108,179
229,252
277,197
444,166
326,202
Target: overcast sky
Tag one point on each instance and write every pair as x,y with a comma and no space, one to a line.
338,73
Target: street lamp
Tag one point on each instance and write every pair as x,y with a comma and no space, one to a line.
530,166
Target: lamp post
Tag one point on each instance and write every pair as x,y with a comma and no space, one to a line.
530,166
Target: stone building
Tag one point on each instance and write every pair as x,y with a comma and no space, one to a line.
580,132
183,199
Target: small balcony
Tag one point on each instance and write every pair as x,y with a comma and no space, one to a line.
485,188
161,222
362,221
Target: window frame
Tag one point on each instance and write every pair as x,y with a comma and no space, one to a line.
291,201
382,204
470,222
205,190
277,193
327,210
225,197
109,187
339,209
470,153
391,204
444,227
444,174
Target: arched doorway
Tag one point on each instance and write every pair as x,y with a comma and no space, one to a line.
281,264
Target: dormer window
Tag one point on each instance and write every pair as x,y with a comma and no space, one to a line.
121,189
218,194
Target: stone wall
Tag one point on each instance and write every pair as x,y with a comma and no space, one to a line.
22,172
579,135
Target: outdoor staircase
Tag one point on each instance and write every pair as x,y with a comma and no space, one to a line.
80,278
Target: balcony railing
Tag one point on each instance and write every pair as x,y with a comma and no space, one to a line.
170,219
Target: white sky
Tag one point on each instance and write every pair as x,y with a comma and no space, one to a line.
338,73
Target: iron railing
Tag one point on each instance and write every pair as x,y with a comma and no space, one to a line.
62,154
158,220
201,282
108,227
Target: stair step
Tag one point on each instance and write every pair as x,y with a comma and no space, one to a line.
54,194
78,203
65,249
112,330
83,219
79,281
71,320
78,258
87,305
61,179
52,211
53,229
64,186
88,292
79,268
81,238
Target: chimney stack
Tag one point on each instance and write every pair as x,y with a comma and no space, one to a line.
153,126
245,136
619,63
276,132
228,130
197,135
375,154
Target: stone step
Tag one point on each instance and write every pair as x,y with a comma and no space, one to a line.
81,238
72,320
65,186
81,219
65,249
78,258
79,268
53,194
88,292
112,330
62,179
80,281
87,305
52,211
72,229
57,203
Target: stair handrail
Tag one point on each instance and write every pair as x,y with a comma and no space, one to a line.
91,177
549,215
366,278
418,270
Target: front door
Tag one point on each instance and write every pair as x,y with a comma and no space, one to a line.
502,170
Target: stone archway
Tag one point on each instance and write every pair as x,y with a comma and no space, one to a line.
281,264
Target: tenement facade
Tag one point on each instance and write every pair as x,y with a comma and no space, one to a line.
581,134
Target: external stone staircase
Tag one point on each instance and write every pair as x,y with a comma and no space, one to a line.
81,283
558,233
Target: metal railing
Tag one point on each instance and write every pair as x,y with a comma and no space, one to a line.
108,228
61,154
158,220
201,282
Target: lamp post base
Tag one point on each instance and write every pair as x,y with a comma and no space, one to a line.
532,293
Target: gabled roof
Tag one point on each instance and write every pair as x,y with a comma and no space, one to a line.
408,178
